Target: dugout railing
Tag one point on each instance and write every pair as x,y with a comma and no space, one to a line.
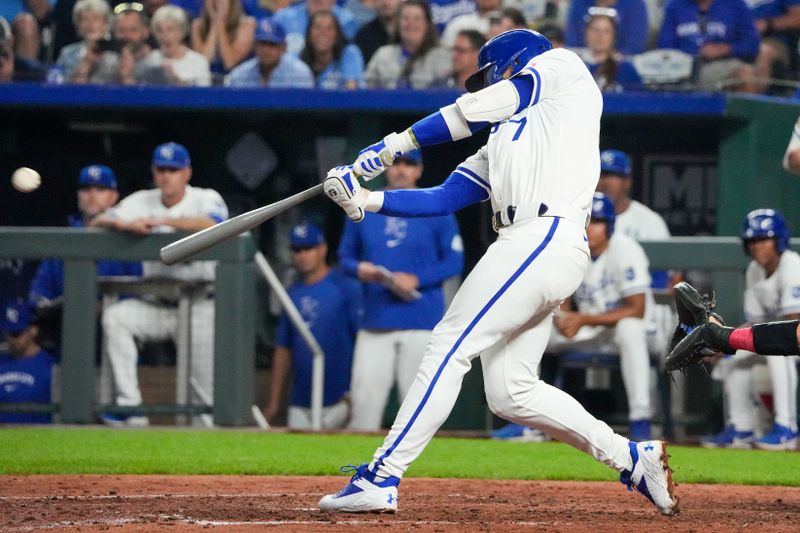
235,294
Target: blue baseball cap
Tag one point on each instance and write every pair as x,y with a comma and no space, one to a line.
306,235
616,162
97,176
414,157
172,155
17,316
270,31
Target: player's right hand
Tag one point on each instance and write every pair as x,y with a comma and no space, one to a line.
377,157
342,187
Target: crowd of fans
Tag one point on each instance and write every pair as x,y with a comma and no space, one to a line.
740,45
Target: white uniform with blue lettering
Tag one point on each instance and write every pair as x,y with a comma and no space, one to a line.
619,272
546,154
765,299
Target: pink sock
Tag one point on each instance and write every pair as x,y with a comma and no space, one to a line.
742,339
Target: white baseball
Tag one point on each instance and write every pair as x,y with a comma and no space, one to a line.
26,179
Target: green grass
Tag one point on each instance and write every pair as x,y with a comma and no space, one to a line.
162,451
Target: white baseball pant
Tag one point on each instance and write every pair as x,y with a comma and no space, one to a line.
737,375
333,416
503,312
380,358
629,339
131,319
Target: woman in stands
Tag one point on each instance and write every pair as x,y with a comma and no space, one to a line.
611,71
335,64
417,61
174,62
92,59
223,34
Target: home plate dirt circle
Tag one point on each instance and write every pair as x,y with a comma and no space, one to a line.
256,503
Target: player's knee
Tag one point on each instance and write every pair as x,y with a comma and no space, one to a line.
630,326
505,401
113,317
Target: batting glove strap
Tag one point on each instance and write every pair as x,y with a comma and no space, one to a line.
342,187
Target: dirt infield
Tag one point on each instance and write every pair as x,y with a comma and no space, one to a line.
250,503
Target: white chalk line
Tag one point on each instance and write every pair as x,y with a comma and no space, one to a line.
157,496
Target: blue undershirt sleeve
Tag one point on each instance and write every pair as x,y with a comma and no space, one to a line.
455,193
433,129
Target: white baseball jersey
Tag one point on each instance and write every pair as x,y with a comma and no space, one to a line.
641,223
619,272
548,152
773,297
794,144
195,203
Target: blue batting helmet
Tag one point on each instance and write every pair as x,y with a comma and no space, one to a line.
615,162
603,210
512,48
766,224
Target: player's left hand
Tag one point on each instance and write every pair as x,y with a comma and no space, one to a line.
569,323
342,187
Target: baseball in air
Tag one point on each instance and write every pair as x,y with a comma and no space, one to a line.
26,179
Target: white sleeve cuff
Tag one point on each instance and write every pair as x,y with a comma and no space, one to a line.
374,201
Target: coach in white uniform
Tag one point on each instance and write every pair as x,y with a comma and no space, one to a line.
539,170
611,304
173,206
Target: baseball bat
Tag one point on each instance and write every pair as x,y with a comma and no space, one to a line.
203,240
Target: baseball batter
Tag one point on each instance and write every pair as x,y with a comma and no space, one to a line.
772,292
611,302
539,170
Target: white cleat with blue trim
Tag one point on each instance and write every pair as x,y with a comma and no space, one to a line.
363,494
651,475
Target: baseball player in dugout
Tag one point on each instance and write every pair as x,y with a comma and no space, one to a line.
539,169
611,303
771,308
173,205
403,263
330,303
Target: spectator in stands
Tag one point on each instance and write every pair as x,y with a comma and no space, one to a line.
465,57
554,34
12,67
509,18
25,17
131,31
402,263
791,158
294,20
223,34
26,373
173,206
93,59
611,71
258,9
721,35
330,304
97,192
173,63
335,64
381,31
778,22
364,11
443,11
273,66
478,20
632,25
417,61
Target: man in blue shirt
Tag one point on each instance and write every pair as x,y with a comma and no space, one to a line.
631,16
403,263
272,67
97,191
25,373
721,35
330,304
